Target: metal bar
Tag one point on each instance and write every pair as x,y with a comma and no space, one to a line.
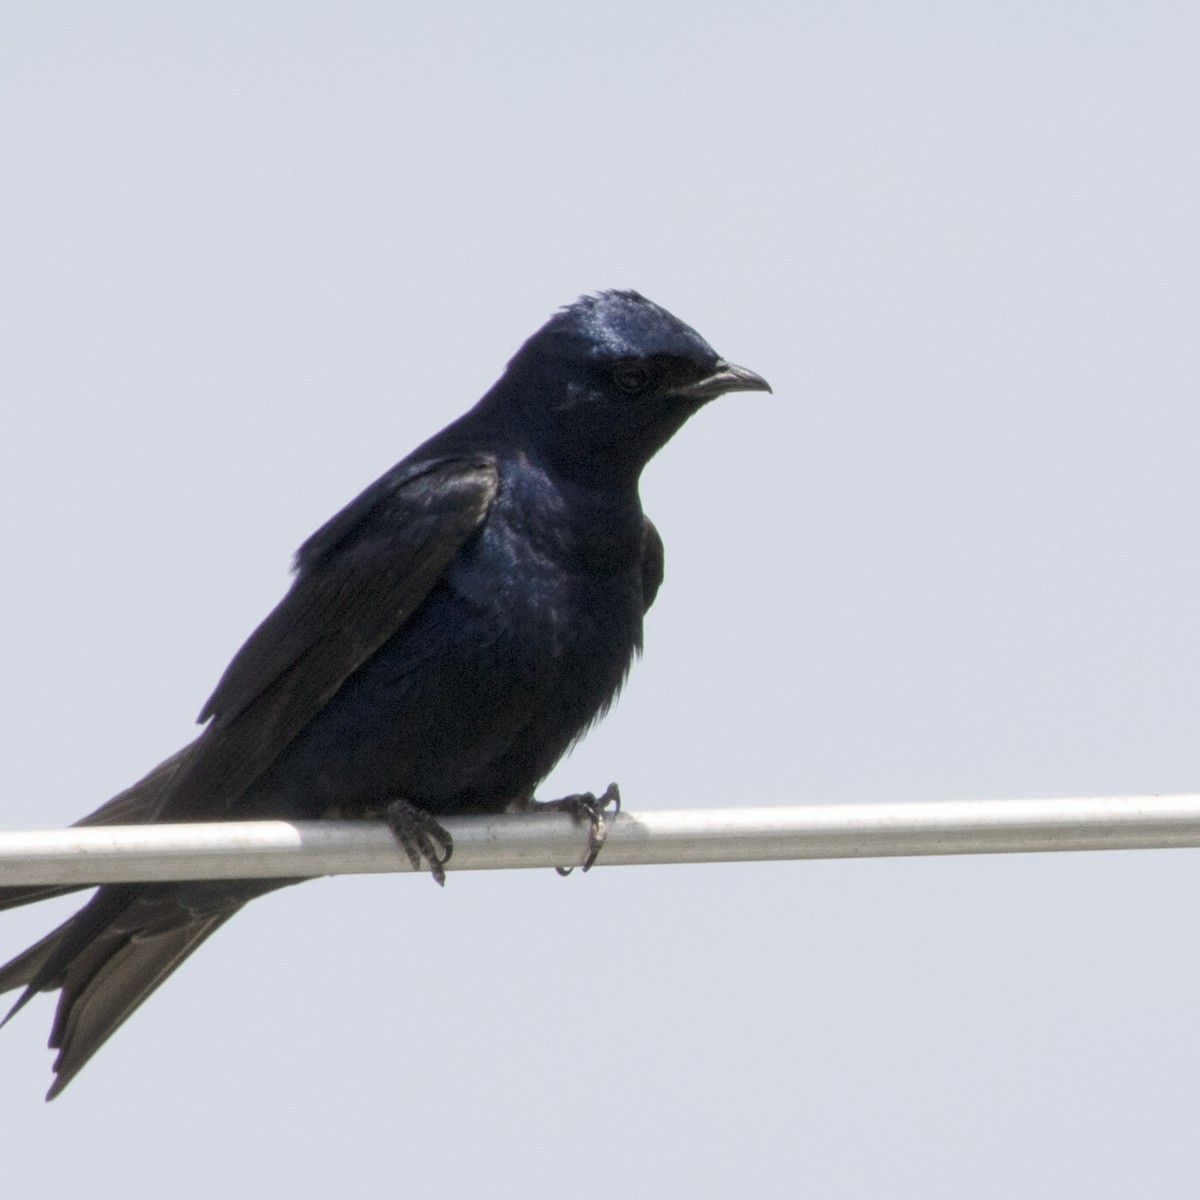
280,849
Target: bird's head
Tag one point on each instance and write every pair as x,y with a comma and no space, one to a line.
609,379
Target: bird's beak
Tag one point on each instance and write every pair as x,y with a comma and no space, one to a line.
724,377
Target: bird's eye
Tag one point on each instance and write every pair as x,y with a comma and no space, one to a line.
631,377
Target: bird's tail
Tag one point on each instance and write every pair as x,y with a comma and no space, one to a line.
123,943
113,953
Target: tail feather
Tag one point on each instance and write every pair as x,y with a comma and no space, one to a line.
14,897
113,953
108,957
97,1000
20,970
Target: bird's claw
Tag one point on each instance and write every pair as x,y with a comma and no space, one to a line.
421,837
584,806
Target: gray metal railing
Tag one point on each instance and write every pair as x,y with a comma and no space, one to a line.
281,849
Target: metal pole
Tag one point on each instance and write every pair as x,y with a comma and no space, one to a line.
279,849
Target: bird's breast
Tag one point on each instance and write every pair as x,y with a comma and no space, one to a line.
556,595
564,563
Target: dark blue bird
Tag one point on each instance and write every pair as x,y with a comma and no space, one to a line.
448,635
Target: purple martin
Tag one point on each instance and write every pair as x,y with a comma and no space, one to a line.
447,636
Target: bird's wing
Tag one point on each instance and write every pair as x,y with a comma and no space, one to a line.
652,563
360,577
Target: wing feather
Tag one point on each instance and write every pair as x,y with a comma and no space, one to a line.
652,563
360,577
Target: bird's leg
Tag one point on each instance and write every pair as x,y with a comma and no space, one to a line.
584,806
421,836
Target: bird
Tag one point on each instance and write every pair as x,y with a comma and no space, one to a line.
446,638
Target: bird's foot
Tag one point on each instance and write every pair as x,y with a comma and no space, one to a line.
421,837
584,806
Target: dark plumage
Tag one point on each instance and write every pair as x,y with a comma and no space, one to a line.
447,637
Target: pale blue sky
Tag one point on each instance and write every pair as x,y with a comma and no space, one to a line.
252,254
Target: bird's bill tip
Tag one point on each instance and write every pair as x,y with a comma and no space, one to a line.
733,378
724,377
